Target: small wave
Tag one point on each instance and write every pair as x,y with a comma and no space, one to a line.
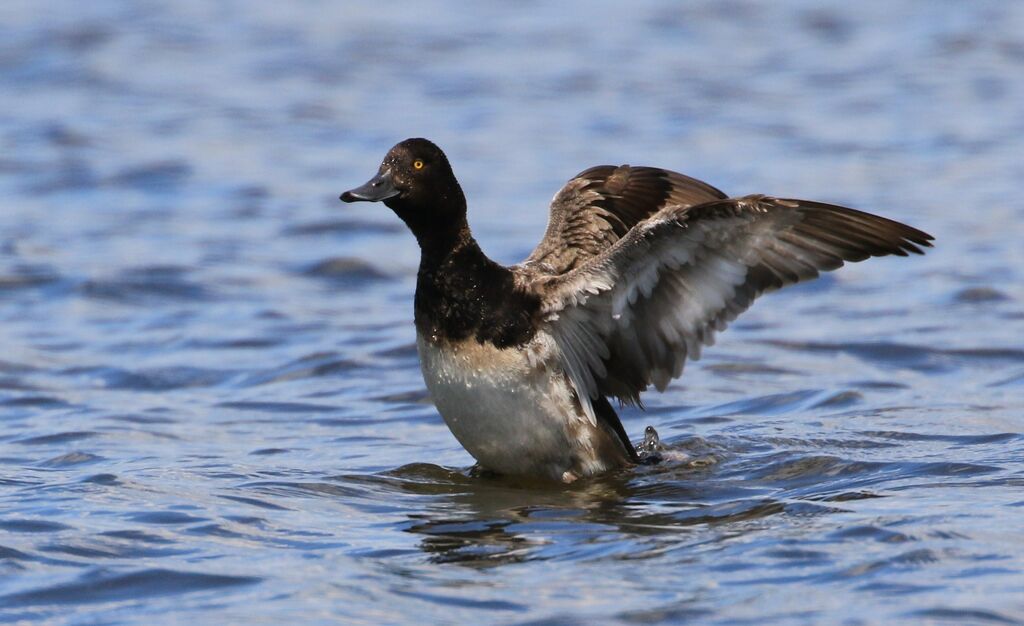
27,277
107,547
415,396
160,176
1012,381
342,227
32,526
963,616
245,343
16,384
143,285
277,407
68,174
874,385
72,459
746,510
305,489
874,533
421,472
263,504
47,402
136,535
132,586
102,479
153,379
10,554
774,404
813,469
735,370
269,451
312,365
919,358
449,601
826,443
65,437
818,477
165,518
980,295
345,271
960,440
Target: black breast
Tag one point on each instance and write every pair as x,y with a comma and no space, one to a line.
467,295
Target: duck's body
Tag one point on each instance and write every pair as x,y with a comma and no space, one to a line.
637,269
515,411
494,375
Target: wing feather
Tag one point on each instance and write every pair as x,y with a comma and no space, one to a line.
631,315
600,205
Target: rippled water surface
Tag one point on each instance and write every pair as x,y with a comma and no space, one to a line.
210,402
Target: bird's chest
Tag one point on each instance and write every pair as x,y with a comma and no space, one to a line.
506,408
466,298
448,307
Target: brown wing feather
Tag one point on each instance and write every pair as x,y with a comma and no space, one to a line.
600,205
631,316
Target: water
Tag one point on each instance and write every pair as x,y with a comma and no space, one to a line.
210,404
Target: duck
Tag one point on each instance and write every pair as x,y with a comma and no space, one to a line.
637,270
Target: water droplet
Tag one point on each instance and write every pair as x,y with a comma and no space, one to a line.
649,450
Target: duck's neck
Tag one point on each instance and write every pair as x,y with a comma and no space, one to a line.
440,242
452,264
439,224
461,294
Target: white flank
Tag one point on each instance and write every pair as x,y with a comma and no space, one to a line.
511,409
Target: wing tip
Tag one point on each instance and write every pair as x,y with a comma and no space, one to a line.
890,236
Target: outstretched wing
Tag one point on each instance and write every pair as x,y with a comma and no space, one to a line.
600,205
631,316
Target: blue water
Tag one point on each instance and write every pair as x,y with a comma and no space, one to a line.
210,403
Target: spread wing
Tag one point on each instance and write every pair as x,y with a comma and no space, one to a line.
600,205
630,316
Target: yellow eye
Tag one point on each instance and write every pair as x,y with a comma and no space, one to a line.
418,164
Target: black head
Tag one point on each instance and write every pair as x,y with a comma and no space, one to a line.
416,182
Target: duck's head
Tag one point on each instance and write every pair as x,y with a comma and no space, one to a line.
416,182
